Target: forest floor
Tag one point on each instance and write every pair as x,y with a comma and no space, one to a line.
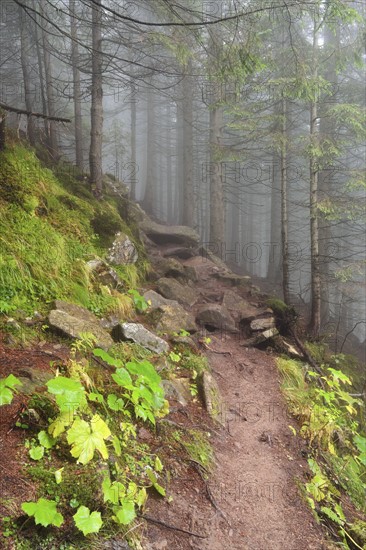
251,498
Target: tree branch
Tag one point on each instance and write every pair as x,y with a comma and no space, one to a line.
29,113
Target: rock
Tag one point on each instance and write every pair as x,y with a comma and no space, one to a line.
177,389
212,396
173,290
173,318
186,341
191,273
206,254
123,251
156,300
238,306
263,324
104,273
140,335
232,278
75,311
78,321
31,378
181,252
168,267
161,234
216,316
261,337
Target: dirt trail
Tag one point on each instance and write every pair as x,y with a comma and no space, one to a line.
252,501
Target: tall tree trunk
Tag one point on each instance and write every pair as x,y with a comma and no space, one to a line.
25,62
50,93
169,173
217,210
96,131
188,190
149,198
76,88
37,37
133,141
315,320
284,209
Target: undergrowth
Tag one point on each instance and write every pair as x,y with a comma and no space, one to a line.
331,420
50,226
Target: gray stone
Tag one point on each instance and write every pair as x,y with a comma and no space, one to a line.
168,267
177,389
239,307
156,300
232,279
161,234
75,311
123,251
173,318
181,252
263,324
212,396
32,379
104,273
140,335
173,290
217,317
74,326
261,337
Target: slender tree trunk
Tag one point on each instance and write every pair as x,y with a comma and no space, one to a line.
188,190
149,197
178,195
133,141
96,132
314,219
40,67
77,88
25,62
50,93
217,210
169,172
2,129
284,209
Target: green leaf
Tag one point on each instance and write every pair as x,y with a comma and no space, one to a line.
115,403
113,492
125,513
122,378
58,475
36,453
70,394
96,397
58,425
107,358
158,464
154,480
360,443
44,512
87,522
145,369
7,388
46,440
86,437
117,445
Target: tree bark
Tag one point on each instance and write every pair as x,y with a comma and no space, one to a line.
188,190
217,210
50,93
284,209
96,131
76,88
25,62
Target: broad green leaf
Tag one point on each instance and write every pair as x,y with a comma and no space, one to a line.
107,358
87,522
7,388
360,443
96,397
115,403
113,492
141,497
46,440
36,453
44,512
125,513
145,369
58,425
70,394
122,378
154,480
158,464
85,438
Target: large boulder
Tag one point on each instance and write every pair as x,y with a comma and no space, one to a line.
123,251
212,396
238,306
173,318
161,234
173,290
215,316
140,335
74,321
168,267
156,300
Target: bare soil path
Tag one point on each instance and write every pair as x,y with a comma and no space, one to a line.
252,500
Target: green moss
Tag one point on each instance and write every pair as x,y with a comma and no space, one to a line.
197,445
349,475
358,532
194,362
277,305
